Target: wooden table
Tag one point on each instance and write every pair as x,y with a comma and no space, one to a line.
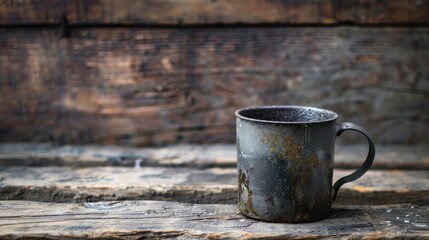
189,191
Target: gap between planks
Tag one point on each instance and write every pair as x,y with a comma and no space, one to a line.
214,185
158,219
194,156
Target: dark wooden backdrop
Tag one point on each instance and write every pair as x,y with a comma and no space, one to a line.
158,72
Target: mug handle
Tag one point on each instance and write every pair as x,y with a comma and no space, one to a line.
342,127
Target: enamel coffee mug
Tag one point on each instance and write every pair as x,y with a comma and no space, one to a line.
285,160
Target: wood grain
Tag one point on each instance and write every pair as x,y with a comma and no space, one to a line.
154,219
214,185
192,156
173,12
152,87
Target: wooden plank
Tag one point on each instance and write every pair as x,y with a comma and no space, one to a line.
155,219
95,184
152,87
192,155
368,11
214,185
213,12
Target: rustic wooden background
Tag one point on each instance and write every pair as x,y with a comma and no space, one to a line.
150,73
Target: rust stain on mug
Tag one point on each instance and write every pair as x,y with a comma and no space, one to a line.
243,181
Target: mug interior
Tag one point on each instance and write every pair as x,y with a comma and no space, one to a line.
286,114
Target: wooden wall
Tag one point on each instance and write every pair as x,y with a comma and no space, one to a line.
149,73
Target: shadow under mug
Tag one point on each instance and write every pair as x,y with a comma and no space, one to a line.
285,160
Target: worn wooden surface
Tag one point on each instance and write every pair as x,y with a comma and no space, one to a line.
154,219
215,185
360,211
146,87
193,156
176,12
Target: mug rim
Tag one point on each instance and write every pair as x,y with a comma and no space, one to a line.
240,116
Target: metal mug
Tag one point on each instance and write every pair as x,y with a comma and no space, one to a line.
285,162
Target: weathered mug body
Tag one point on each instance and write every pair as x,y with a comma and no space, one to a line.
285,162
